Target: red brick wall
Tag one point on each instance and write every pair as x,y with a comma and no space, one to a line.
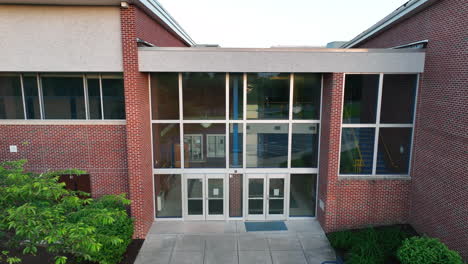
97,149
352,203
137,107
153,32
439,196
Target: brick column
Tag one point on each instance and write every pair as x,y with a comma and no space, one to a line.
137,108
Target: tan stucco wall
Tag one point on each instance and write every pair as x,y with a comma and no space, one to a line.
60,38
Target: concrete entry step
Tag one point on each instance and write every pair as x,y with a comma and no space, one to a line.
223,242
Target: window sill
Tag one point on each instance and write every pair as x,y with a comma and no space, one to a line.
61,122
374,177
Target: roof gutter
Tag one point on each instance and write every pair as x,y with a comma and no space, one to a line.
403,11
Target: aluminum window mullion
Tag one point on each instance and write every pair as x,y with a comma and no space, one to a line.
291,94
41,97
244,124
101,96
86,99
181,126
23,97
377,128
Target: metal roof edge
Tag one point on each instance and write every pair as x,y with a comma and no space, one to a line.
403,11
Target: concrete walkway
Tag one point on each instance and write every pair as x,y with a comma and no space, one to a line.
227,242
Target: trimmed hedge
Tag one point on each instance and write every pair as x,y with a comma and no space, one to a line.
425,250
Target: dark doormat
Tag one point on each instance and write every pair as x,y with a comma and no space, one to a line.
265,226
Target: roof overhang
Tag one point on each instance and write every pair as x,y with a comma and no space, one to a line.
280,60
409,8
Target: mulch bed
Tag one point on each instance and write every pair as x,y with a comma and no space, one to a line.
43,257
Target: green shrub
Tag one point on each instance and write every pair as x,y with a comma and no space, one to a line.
425,250
366,253
341,239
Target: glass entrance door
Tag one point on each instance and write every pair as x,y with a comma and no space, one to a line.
265,197
205,197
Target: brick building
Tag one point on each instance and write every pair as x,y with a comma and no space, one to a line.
371,135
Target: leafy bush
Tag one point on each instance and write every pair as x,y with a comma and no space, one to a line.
36,211
425,250
368,245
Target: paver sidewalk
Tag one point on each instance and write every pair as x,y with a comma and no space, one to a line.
227,242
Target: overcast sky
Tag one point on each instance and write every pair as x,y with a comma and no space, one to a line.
266,23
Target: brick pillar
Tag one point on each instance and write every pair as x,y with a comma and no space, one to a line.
329,148
137,108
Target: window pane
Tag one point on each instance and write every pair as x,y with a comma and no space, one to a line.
357,147
31,96
394,150
168,193
398,98
268,96
165,95
166,145
63,97
307,91
235,195
199,139
11,101
302,195
236,96
94,97
267,146
304,146
204,95
113,97
360,98
235,145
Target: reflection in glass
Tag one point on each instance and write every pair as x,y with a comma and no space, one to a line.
63,97
31,96
236,96
165,95
394,150
276,196
306,100
360,98
302,195
235,195
235,145
267,146
268,95
166,146
11,101
357,149
255,206
304,147
94,97
168,193
255,188
276,206
204,145
113,97
398,96
195,196
215,196
204,95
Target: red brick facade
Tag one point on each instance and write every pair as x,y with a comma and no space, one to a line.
352,203
439,196
98,149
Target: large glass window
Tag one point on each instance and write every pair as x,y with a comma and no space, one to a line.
94,97
307,92
168,195
357,148
204,145
204,95
236,96
398,96
31,96
11,101
267,146
360,98
268,95
302,195
235,145
378,142
304,146
166,146
113,97
165,95
394,150
63,97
